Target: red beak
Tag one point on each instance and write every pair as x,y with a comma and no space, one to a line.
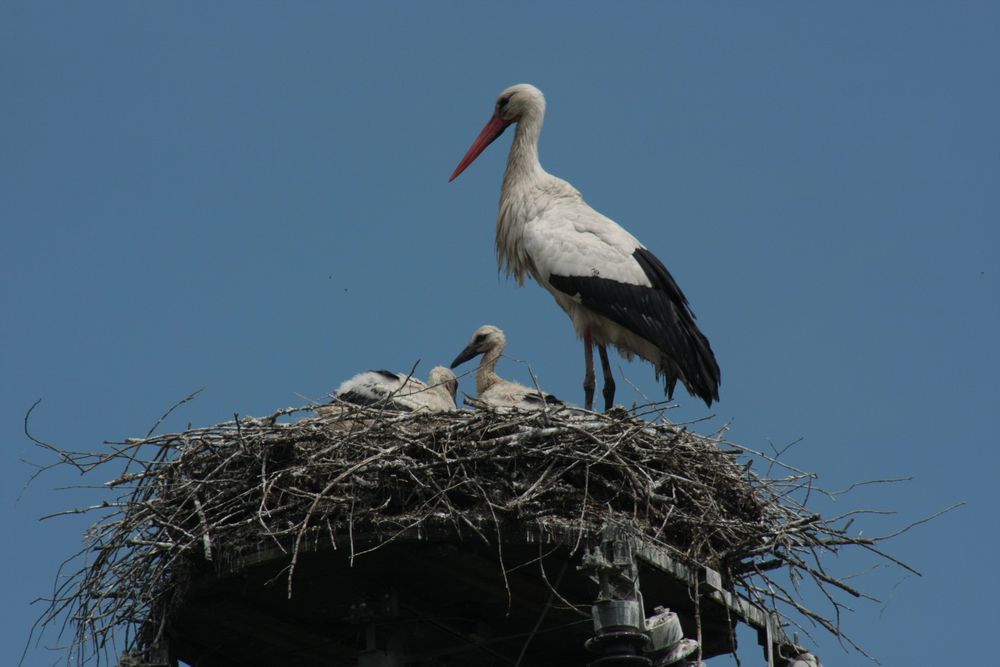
493,129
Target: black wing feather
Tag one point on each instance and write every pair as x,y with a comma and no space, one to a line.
661,315
363,399
547,399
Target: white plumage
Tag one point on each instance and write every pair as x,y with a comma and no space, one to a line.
400,392
492,389
805,660
615,290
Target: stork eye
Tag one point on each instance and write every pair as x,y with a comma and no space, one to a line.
479,339
502,102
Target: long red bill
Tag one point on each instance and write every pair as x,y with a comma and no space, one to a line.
493,129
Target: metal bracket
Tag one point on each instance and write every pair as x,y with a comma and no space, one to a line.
623,636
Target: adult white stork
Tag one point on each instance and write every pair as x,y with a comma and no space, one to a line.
492,389
614,289
402,392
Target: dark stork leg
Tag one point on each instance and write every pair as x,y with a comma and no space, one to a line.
589,381
609,380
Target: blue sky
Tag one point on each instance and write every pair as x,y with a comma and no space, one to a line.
253,198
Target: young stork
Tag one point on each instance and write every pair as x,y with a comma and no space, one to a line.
400,392
614,289
492,389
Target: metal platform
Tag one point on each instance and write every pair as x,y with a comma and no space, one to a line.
436,596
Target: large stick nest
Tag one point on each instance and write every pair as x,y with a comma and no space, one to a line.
210,494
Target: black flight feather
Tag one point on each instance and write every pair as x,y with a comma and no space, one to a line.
364,399
659,314
535,399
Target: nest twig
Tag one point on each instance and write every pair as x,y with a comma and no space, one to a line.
206,495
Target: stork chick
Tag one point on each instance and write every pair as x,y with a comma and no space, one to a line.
402,392
492,389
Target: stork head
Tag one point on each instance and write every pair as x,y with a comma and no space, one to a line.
486,338
514,103
444,377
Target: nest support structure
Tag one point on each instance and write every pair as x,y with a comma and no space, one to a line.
341,537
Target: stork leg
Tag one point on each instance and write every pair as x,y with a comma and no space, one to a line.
609,380
589,381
